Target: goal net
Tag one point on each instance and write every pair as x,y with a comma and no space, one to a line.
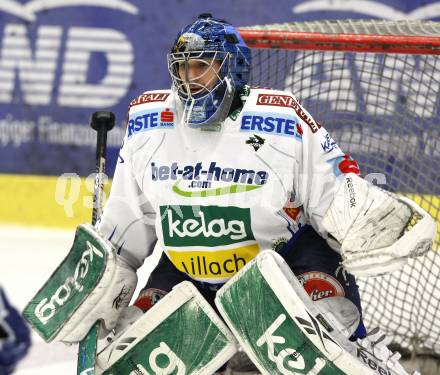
374,85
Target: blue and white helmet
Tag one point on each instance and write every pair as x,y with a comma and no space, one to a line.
217,47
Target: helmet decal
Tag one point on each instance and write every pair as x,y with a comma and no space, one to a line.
189,42
218,48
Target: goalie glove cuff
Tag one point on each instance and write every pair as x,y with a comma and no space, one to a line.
377,230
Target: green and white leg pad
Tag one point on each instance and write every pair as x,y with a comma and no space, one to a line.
91,284
281,329
181,334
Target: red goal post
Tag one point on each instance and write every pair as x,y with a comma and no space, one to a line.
374,85
412,37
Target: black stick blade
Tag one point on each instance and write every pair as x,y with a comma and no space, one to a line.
104,120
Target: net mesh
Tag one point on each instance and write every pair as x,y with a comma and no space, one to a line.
384,110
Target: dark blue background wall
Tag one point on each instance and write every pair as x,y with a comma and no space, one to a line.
59,64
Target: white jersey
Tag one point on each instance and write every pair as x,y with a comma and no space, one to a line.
213,199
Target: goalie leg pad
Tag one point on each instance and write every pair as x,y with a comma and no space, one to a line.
318,268
279,327
90,284
181,334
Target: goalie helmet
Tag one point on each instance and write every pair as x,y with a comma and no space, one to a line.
221,52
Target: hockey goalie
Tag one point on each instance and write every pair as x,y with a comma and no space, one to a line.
262,229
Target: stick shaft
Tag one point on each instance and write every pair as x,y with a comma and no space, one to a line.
87,352
88,346
101,147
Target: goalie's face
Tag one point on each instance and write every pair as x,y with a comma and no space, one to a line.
198,75
195,75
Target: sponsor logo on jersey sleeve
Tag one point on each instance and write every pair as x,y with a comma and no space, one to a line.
289,102
209,243
151,97
329,143
149,120
274,100
270,123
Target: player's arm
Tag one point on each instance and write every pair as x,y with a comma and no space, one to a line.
128,218
375,231
379,231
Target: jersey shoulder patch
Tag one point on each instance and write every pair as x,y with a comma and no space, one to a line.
264,100
150,97
151,111
272,98
261,114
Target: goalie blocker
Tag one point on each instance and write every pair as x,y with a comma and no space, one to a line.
91,284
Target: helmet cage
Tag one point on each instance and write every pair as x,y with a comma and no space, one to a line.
192,88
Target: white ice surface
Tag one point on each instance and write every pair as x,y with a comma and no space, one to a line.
28,257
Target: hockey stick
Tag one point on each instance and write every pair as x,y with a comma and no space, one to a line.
102,122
